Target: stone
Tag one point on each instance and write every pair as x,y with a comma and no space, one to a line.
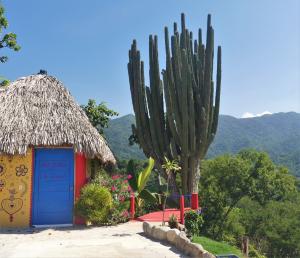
207,255
181,241
160,233
171,235
151,230
146,227
194,250
181,227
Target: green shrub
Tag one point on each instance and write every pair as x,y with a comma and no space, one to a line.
94,204
193,222
173,221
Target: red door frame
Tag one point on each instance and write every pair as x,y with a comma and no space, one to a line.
80,178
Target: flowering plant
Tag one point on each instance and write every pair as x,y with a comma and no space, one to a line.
121,191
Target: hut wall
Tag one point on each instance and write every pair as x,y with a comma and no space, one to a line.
15,190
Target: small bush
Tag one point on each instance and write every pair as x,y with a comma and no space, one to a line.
94,204
173,221
193,222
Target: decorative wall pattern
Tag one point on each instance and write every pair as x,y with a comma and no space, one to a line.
15,190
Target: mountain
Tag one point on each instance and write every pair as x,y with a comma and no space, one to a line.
117,135
278,134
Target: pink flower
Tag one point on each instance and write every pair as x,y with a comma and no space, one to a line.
129,188
129,176
125,214
126,181
115,177
121,198
113,188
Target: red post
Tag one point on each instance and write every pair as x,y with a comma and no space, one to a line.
181,209
195,201
132,206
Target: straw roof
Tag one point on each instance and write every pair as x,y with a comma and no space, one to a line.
39,111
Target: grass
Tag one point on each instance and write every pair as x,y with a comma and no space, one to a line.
217,248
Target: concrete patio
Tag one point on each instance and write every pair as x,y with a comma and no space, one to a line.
126,240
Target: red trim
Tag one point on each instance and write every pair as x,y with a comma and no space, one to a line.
195,201
80,178
31,192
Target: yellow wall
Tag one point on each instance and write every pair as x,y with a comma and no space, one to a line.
15,190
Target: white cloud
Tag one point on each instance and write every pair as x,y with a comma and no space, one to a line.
250,115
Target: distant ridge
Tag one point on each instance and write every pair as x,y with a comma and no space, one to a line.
278,134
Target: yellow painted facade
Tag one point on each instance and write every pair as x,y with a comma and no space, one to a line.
15,190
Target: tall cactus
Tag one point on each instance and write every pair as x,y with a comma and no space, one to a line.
177,116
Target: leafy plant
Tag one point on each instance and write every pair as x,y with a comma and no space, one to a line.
193,222
170,167
94,203
173,221
138,185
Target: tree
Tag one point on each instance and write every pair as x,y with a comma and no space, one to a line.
177,116
99,115
7,40
226,180
273,228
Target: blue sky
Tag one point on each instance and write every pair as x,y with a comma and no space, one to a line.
85,44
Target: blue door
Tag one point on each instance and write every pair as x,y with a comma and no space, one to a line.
53,191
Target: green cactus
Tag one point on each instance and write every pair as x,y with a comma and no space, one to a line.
177,116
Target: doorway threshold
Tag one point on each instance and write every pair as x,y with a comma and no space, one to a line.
53,226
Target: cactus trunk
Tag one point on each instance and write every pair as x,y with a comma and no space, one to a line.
177,116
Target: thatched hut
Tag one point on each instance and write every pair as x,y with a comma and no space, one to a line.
46,141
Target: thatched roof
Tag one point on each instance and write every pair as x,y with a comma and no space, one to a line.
39,111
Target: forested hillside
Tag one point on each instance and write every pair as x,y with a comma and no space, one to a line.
277,134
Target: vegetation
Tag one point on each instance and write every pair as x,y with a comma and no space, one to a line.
193,222
248,194
138,184
171,167
216,248
274,227
7,40
98,114
120,190
94,204
173,221
277,134
185,128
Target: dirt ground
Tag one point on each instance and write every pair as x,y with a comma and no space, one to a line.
126,240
